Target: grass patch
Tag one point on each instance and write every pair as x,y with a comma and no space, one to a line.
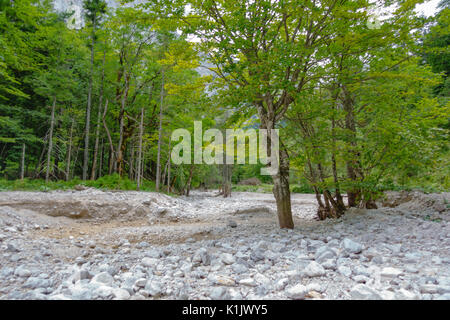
110,182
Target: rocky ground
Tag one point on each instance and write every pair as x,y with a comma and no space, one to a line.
90,244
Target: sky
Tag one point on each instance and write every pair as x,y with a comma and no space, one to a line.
428,8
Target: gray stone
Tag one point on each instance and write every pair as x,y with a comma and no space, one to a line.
140,283
35,283
313,269
390,273
345,271
297,292
404,294
239,268
227,258
121,294
232,224
22,272
363,292
351,246
104,278
249,282
12,248
153,288
218,293
149,262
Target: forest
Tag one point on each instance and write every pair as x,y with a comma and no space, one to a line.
358,89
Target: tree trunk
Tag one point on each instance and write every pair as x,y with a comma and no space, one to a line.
111,146
353,194
139,160
22,163
168,170
97,130
50,140
282,193
69,152
102,152
188,184
226,171
158,160
88,107
119,162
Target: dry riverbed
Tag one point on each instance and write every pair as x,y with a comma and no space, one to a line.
91,244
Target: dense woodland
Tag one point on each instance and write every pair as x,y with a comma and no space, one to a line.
361,101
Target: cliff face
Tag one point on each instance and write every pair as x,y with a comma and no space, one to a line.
76,6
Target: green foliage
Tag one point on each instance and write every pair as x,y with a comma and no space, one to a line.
108,182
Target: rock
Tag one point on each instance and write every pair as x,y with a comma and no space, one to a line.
345,271
297,292
351,246
12,248
121,294
257,255
22,272
153,253
363,292
104,278
239,268
313,269
429,288
227,258
35,283
221,280
105,292
404,294
153,288
81,275
329,264
281,284
218,293
361,279
390,273
79,292
249,282
140,283
149,262
232,224
323,255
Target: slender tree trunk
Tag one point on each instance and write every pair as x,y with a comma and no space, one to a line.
226,171
158,161
189,182
139,160
353,193
111,145
168,170
119,162
50,140
22,163
88,108
69,152
102,152
131,162
97,130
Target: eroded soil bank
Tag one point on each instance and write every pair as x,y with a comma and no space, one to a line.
92,244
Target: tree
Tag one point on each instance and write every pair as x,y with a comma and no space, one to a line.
94,9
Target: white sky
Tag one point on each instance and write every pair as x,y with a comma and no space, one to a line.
428,8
